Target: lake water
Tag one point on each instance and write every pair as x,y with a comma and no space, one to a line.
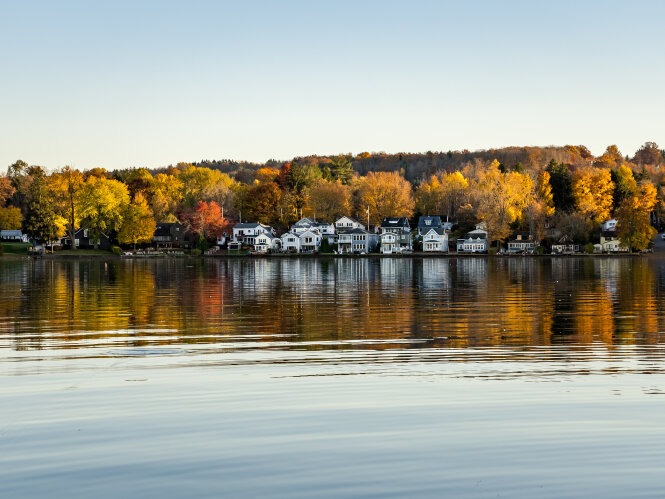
441,377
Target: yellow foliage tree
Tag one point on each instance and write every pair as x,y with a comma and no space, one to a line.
138,224
102,204
428,196
166,194
387,194
10,218
329,200
592,190
65,186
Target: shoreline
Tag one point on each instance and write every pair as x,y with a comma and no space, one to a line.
15,257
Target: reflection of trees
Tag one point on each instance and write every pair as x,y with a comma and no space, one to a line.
333,303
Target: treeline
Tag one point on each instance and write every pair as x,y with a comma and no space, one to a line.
556,192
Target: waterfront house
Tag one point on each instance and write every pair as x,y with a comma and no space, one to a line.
324,229
290,242
246,232
347,223
395,235
435,240
310,241
13,235
266,242
522,243
170,235
475,241
427,223
357,241
83,239
302,225
609,243
565,246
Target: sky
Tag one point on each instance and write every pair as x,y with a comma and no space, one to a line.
130,84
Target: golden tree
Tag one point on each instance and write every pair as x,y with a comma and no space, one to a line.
330,200
138,224
387,194
592,190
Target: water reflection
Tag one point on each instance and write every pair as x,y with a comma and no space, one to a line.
332,303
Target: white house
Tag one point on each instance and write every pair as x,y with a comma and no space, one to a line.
435,239
310,241
347,223
246,232
265,242
475,241
13,235
427,223
290,242
357,241
302,225
565,246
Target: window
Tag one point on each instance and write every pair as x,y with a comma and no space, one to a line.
428,222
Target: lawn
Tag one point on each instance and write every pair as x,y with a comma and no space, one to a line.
13,248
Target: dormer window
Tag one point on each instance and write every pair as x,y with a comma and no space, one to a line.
428,222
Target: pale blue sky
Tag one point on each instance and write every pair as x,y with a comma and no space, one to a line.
119,84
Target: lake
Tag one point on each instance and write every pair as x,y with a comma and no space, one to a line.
373,377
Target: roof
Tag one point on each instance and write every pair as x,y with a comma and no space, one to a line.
164,228
475,235
9,232
439,230
305,222
434,221
390,222
249,225
268,235
348,218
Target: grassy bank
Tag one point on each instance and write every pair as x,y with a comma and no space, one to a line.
14,248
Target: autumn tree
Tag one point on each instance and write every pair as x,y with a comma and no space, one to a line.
6,190
624,184
10,218
103,202
43,221
138,224
262,203
633,227
649,154
65,186
165,195
330,200
502,198
387,194
592,191
205,184
267,174
454,188
207,221
428,196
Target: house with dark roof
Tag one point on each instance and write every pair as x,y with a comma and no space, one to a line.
357,241
395,235
565,246
85,239
522,243
171,235
427,223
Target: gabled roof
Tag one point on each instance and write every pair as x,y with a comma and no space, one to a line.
434,221
250,225
349,218
305,222
11,232
439,230
475,235
266,234
394,222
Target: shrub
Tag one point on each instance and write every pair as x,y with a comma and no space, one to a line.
492,251
539,250
2,249
195,252
116,250
588,248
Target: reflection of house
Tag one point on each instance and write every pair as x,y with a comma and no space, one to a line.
347,223
246,232
170,235
13,235
474,241
435,239
609,243
523,243
357,241
395,235
265,242
565,246
84,239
